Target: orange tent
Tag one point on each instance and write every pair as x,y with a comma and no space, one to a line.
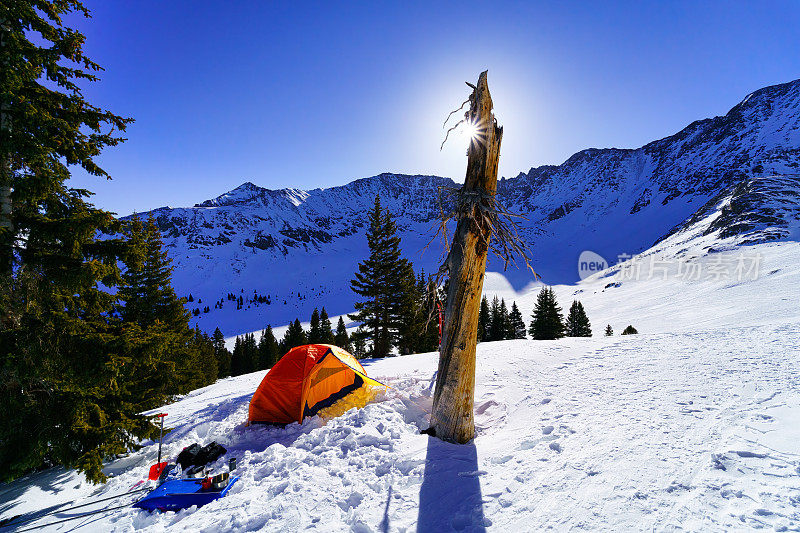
306,380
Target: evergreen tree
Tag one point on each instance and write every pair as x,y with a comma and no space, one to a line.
630,330
172,359
294,336
381,281
202,349
342,339
609,331
484,319
237,358
497,320
412,314
326,327
252,355
508,328
548,322
315,330
245,357
516,323
359,346
267,349
429,337
222,354
577,324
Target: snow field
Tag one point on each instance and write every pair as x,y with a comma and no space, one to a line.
690,425
694,431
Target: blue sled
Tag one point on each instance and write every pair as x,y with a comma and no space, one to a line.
178,494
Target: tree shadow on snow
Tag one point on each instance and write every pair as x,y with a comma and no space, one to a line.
450,496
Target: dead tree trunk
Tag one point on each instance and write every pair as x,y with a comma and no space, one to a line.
452,416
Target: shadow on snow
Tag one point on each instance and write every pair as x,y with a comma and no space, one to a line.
450,496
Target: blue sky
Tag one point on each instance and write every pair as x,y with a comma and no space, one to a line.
308,95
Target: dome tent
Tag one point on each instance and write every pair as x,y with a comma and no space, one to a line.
306,380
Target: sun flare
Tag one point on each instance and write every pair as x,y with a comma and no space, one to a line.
469,130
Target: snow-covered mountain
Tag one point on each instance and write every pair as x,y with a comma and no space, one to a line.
691,425
300,248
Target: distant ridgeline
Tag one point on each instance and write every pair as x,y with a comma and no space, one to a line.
285,243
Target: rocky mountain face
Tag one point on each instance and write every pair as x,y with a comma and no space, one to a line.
302,247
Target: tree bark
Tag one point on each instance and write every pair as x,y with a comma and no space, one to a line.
452,417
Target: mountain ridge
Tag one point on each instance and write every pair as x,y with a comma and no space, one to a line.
609,200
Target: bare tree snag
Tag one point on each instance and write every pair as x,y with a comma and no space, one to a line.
452,417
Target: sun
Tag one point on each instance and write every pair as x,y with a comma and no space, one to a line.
469,130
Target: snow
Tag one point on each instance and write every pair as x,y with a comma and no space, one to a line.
302,247
691,425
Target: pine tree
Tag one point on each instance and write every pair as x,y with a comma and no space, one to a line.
630,330
150,302
315,331
412,319
267,349
497,320
222,354
237,358
325,327
62,345
609,331
508,328
202,348
484,319
359,346
548,322
252,355
294,336
342,339
430,335
380,280
577,324
516,322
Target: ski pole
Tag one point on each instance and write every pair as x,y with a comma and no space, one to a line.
161,436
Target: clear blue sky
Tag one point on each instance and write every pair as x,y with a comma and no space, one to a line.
299,95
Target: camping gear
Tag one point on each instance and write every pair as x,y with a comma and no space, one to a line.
188,457
220,480
210,453
195,455
178,494
232,464
172,471
157,469
196,471
306,380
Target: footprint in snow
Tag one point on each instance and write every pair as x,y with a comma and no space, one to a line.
555,446
545,401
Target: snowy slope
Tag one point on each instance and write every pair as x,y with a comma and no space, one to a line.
302,247
692,425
